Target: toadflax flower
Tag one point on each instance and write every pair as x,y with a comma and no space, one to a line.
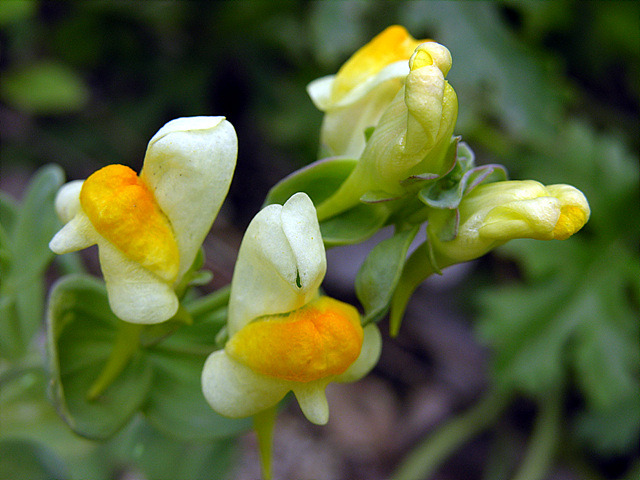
494,213
355,98
410,139
149,228
283,335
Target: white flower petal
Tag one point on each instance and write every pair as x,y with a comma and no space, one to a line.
280,264
313,401
236,391
135,294
189,165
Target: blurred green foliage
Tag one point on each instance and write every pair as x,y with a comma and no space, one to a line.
549,89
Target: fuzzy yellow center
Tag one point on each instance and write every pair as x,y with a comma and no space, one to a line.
321,339
392,45
572,218
124,211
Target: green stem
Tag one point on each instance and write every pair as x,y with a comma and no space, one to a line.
416,269
427,457
264,423
211,302
125,346
544,441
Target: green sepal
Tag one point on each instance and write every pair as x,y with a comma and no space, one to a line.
448,191
81,333
380,273
24,255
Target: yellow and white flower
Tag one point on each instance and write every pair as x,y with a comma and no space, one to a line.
149,228
283,335
495,213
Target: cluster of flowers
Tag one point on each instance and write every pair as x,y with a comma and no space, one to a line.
391,110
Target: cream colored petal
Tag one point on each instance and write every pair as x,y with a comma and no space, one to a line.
67,202
368,358
77,234
280,264
135,294
236,391
188,166
313,401
532,218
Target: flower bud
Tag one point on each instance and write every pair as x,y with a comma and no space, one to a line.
283,335
495,213
355,98
411,138
149,228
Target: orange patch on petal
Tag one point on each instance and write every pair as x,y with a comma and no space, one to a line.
321,339
392,45
572,219
124,211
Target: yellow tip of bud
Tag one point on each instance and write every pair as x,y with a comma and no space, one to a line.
124,211
321,339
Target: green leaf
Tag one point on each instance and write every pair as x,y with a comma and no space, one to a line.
354,225
44,88
176,404
318,180
25,235
80,335
24,459
379,274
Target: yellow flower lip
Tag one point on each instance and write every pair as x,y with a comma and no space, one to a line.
124,211
319,340
391,45
572,218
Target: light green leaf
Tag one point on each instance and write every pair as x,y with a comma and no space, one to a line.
80,335
318,180
24,238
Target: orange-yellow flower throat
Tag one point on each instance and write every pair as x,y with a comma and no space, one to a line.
319,340
124,211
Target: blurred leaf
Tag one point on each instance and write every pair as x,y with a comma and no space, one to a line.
23,459
80,336
379,274
27,414
578,311
13,11
44,88
161,457
494,75
24,247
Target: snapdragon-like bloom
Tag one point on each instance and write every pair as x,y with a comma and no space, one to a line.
149,228
283,335
495,213
410,139
355,98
